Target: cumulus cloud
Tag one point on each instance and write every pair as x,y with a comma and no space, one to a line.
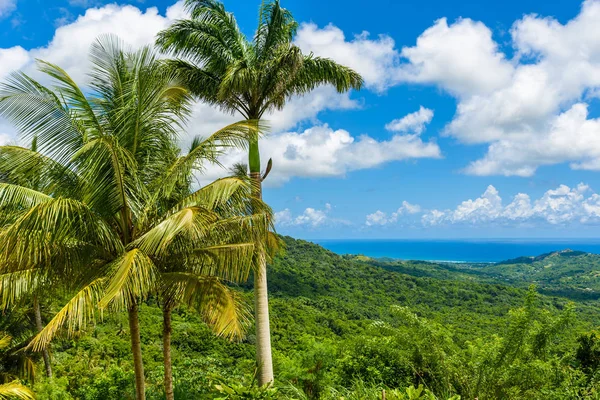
557,206
11,59
70,45
321,151
377,60
462,57
529,109
311,217
413,122
381,218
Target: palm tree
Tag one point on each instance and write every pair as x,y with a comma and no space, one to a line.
223,68
32,179
98,228
196,276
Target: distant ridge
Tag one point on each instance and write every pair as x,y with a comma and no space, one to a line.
532,259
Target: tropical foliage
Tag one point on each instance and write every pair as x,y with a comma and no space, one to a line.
103,211
346,328
140,277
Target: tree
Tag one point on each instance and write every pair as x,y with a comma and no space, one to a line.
109,166
223,68
195,275
30,179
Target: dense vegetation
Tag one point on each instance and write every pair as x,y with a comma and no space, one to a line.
568,273
121,279
348,328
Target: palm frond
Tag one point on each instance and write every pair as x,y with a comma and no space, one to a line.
37,112
75,100
31,239
276,27
77,313
31,169
15,390
15,285
220,307
5,341
20,197
132,277
191,222
231,262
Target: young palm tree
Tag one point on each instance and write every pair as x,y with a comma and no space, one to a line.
196,278
223,68
98,228
31,179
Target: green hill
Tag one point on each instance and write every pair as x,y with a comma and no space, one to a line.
570,274
339,322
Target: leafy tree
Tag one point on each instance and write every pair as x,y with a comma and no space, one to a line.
109,154
223,68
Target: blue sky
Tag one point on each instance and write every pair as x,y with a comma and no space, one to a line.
478,119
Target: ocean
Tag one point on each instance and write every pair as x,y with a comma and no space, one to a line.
475,250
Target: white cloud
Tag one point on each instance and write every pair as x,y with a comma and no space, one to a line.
321,151
557,206
413,122
311,217
462,57
381,218
376,60
377,218
7,7
70,45
485,208
530,109
11,59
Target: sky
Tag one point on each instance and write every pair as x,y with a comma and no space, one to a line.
476,120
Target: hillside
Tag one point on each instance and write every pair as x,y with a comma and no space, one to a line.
335,322
565,273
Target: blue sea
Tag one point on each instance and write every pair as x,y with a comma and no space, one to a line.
480,251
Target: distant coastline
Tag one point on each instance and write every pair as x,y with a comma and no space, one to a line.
457,250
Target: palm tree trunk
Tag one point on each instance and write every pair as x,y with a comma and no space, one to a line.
39,326
264,361
136,349
167,351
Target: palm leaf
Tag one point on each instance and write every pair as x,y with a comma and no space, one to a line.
77,313
231,262
21,197
132,277
15,285
14,390
57,222
36,112
219,306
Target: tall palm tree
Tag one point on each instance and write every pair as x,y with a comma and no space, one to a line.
223,68
96,227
